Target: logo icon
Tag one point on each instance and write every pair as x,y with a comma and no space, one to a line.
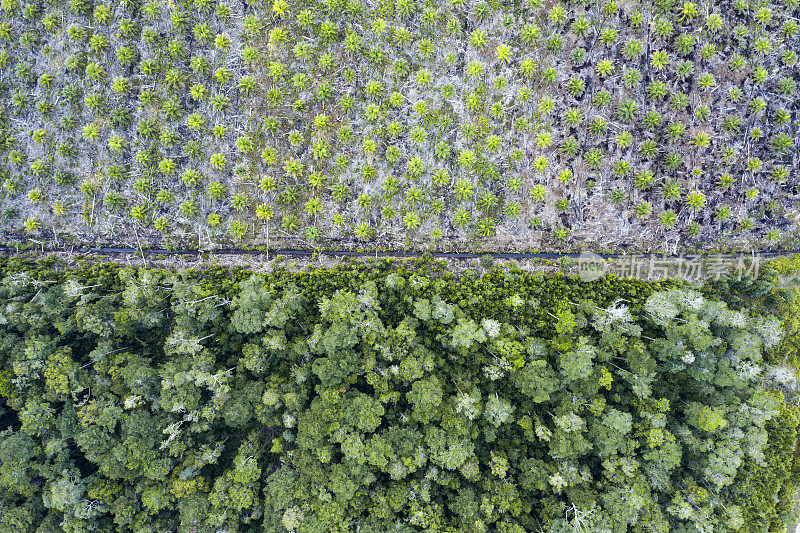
591,266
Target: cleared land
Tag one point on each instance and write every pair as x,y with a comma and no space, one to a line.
404,124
